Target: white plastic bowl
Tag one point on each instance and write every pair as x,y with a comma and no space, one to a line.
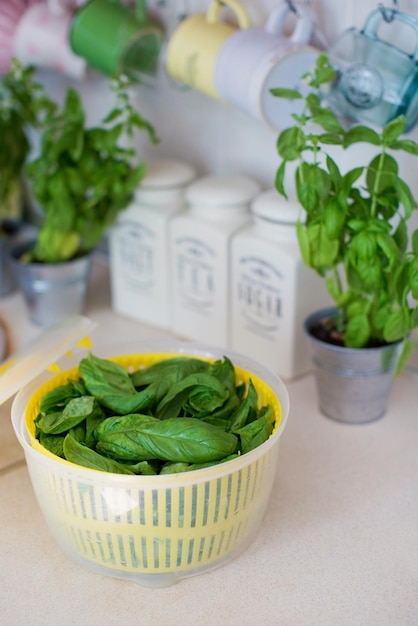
154,530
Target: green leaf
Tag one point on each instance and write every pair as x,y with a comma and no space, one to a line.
407,145
75,412
170,370
357,332
256,432
414,241
323,76
381,173
290,143
323,250
80,454
57,398
370,274
111,385
389,248
312,184
406,197
401,282
304,245
113,115
178,439
280,177
201,387
363,247
356,225
334,218
246,410
289,94
397,325
53,443
330,139
350,178
413,277
392,130
307,195
328,121
400,236
361,134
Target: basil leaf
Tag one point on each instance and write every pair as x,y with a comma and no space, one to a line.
257,432
247,409
163,374
57,398
205,391
80,454
139,437
175,368
73,414
113,387
53,443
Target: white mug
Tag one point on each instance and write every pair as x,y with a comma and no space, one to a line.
10,15
41,39
254,60
58,7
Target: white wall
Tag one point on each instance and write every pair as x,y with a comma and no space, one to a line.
215,137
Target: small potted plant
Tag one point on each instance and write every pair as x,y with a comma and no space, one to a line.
82,178
14,149
353,231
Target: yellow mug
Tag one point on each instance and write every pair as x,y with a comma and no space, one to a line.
194,46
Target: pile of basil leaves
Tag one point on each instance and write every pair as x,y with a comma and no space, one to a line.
178,414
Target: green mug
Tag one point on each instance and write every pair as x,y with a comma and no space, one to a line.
115,40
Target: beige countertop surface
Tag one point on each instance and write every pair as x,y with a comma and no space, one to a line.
338,545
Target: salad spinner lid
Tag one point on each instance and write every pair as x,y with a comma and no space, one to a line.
22,367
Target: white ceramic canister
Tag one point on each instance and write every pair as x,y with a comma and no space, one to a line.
138,243
199,244
272,291
254,60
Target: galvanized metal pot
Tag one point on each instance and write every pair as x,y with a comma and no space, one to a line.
52,292
353,384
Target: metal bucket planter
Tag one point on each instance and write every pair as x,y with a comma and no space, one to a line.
7,283
52,292
353,385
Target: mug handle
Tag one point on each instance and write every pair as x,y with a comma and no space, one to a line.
375,19
214,12
304,24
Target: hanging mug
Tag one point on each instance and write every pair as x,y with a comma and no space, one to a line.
194,46
253,61
41,39
376,80
57,7
114,40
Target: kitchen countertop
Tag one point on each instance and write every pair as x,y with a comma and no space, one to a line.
338,545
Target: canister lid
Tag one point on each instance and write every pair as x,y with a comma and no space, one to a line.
216,191
23,367
272,207
166,173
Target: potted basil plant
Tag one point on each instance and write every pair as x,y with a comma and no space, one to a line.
82,178
15,115
354,232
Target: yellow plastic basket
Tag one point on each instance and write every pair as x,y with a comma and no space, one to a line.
153,529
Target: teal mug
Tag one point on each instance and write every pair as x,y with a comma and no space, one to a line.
115,40
376,79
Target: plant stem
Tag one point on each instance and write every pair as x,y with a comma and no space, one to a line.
377,183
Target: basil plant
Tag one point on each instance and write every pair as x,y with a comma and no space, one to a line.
353,228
